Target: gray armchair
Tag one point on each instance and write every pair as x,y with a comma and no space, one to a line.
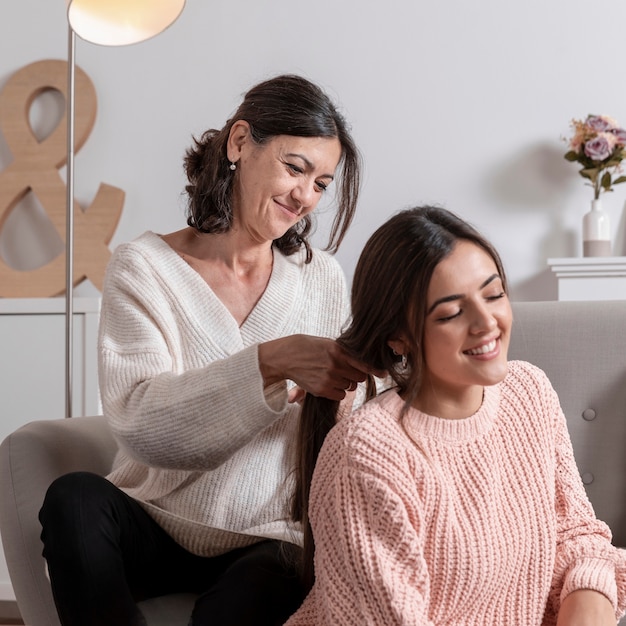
30,459
580,345
582,348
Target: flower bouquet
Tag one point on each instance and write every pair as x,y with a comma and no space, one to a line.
598,144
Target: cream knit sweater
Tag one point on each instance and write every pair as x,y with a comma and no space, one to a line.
204,448
482,521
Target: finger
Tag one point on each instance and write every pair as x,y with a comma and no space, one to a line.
344,384
296,394
360,370
346,371
356,365
364,370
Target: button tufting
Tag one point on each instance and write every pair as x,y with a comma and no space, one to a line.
587,478
589,415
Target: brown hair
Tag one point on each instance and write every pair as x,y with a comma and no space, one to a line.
389,289
284,105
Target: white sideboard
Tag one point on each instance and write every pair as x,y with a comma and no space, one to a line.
590,278
32,368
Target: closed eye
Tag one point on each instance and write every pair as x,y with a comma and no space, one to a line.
296,169
496,297
447,318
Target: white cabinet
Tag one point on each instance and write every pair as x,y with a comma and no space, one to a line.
32,368
590,278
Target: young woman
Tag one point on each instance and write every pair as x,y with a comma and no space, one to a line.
207,335
453,497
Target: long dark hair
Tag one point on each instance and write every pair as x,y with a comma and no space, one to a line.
284,105
389,289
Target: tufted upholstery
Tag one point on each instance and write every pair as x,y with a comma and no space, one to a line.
582,348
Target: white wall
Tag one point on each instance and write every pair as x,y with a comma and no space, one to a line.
451,102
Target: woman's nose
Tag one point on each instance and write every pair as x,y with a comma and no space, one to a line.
483,319
304,194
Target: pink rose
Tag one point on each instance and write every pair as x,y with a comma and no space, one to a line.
600,147
620,135
600,123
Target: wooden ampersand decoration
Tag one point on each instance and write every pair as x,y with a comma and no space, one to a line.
35,168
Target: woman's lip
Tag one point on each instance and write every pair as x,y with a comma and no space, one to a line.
289,209
489,348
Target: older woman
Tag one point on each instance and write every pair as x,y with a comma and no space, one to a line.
208,337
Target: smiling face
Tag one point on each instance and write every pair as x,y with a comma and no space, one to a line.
466,332
278,182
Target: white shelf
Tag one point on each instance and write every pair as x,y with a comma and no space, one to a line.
35,306
32,368
590,278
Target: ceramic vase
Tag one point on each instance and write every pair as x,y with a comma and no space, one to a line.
596,231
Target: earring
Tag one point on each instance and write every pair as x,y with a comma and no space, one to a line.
233,167
403,360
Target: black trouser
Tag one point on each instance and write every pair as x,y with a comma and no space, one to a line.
105,553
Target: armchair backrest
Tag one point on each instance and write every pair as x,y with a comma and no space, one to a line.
582,348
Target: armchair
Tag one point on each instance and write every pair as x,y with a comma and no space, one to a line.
30,459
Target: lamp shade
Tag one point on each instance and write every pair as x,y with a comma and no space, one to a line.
121,22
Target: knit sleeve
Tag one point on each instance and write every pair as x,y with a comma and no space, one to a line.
585,557
163,411
368,556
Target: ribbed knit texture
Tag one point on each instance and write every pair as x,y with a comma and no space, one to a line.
481,521
204,447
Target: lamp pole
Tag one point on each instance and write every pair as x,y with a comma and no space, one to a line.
69,220
107,23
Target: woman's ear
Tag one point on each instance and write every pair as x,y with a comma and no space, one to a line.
398,345
237,138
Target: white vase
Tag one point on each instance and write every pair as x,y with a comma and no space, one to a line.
596,231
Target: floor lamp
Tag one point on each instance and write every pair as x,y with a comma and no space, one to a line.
106,23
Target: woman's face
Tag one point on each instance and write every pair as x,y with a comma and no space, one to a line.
279,182
467,328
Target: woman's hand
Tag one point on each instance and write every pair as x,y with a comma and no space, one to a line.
586,607
319,366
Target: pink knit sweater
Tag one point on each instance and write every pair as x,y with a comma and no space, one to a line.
482,521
